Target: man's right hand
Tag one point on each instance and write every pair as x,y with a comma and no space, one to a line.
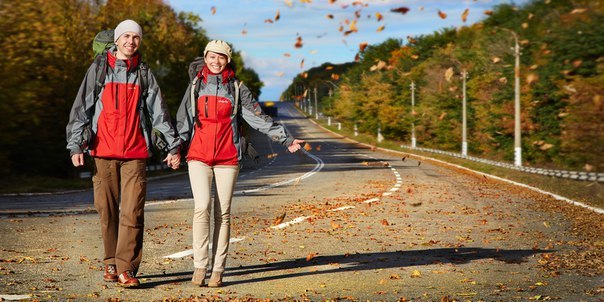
77,159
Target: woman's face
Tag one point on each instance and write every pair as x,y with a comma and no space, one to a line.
216,62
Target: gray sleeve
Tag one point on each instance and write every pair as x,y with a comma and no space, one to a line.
81,113
160,115
184,117
253,115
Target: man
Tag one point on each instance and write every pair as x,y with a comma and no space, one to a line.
120,143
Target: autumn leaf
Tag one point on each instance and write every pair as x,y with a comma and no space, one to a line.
495,60
441,14
310,256
298,42
578,11
381,28
362,46
488,12
401,10
531,77
449,74
279,219
268,21
244,32
464,16
280,73
329,68
277,16
329,16
213,10
379,17
307,147
334,225
287,55
302,63
335,76
442,116
288,3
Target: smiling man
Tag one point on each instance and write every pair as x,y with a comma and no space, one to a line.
111,124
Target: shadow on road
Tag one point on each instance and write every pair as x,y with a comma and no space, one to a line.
357,262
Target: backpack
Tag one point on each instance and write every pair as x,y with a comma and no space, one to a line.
247,150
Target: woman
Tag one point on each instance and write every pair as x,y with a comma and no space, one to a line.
207,121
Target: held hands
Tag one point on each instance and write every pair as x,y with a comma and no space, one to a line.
295,146
173,161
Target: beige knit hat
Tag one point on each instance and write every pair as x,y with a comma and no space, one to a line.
219,46
127,26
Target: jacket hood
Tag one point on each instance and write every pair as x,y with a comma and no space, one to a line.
227,74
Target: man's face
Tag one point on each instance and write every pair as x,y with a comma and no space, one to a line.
127,44
216,62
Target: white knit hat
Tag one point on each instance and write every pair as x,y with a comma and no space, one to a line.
219,46
127,26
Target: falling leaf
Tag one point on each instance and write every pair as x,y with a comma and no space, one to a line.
302,63
277,16
279,219
578,11
280,73
531,77
307,147
495,60
442,116
329,16
503,80
414,57
524,25
441,14
449,74
464,16
381,28
379,17
332,1
488,12
362,46
287,55
335,76
419,163
404,157
577,63
329,68
312,52
298,42
306,1
268,21
244,32
213,10
402,10
288,3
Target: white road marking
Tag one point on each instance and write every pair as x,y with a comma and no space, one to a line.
286,224
341,208
190,252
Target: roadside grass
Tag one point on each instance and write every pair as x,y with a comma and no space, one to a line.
590,193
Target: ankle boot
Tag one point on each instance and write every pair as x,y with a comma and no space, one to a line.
215,279
199,276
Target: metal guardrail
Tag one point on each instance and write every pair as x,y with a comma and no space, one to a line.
574,175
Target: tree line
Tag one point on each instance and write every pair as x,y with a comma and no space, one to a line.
47,48
561,76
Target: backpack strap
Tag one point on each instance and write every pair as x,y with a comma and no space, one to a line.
101,74
194,111
237,85
143,75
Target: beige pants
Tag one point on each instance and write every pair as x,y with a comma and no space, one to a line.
201,176
119,198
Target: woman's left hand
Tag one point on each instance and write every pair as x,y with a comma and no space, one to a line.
296,145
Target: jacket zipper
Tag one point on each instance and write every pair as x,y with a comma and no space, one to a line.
206,106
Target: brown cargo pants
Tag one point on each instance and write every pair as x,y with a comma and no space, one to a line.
122,221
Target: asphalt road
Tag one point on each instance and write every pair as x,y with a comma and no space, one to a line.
360,224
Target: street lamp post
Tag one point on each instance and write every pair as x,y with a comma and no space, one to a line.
517,134
413,115
316,106
464,131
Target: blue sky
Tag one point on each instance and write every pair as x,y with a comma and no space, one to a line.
264,45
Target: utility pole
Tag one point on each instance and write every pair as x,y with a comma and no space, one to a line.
316,105
517,133
464,131
413,115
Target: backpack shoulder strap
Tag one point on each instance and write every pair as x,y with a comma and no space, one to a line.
237,85
143,74
101,73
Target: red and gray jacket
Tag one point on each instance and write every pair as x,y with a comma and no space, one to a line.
117,119
211,129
